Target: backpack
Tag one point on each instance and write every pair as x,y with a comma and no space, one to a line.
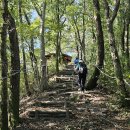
82,68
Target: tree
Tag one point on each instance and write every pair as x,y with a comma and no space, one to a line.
4,68
92,83
33,58
57,36
80,29
15,68
44,82
113,49
127,33
23,52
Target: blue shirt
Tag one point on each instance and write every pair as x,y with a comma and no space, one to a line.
76,61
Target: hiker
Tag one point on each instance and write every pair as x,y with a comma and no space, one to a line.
81,70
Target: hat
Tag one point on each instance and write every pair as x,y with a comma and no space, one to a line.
80,61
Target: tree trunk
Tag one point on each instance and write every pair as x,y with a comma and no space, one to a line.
57,53
92,83
25,73
127,46
34,63
77,46
15,70
116,60
23,52
81,41
77,49
4,69
81,52
44,82
127,34
123,38
57,37
113,49
33,57
84,30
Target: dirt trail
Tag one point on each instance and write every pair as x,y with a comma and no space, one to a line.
64,107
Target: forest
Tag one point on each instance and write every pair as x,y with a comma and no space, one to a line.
36,37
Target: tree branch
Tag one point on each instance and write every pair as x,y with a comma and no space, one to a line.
107,9
115,10
37,9
26,17
38,12
77,31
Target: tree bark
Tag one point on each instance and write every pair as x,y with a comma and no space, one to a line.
123,38
84,30
57,53
113,49
25,73
127,46
92,83
57,38
15,70
4,69
44,82
127,34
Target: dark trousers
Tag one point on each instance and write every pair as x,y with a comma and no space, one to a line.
82,80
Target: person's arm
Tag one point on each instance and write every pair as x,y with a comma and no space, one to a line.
76,68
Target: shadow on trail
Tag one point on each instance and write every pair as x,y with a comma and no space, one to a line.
64,107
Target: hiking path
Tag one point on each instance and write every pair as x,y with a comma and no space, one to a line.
64,107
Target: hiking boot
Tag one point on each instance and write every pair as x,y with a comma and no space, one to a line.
82,89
